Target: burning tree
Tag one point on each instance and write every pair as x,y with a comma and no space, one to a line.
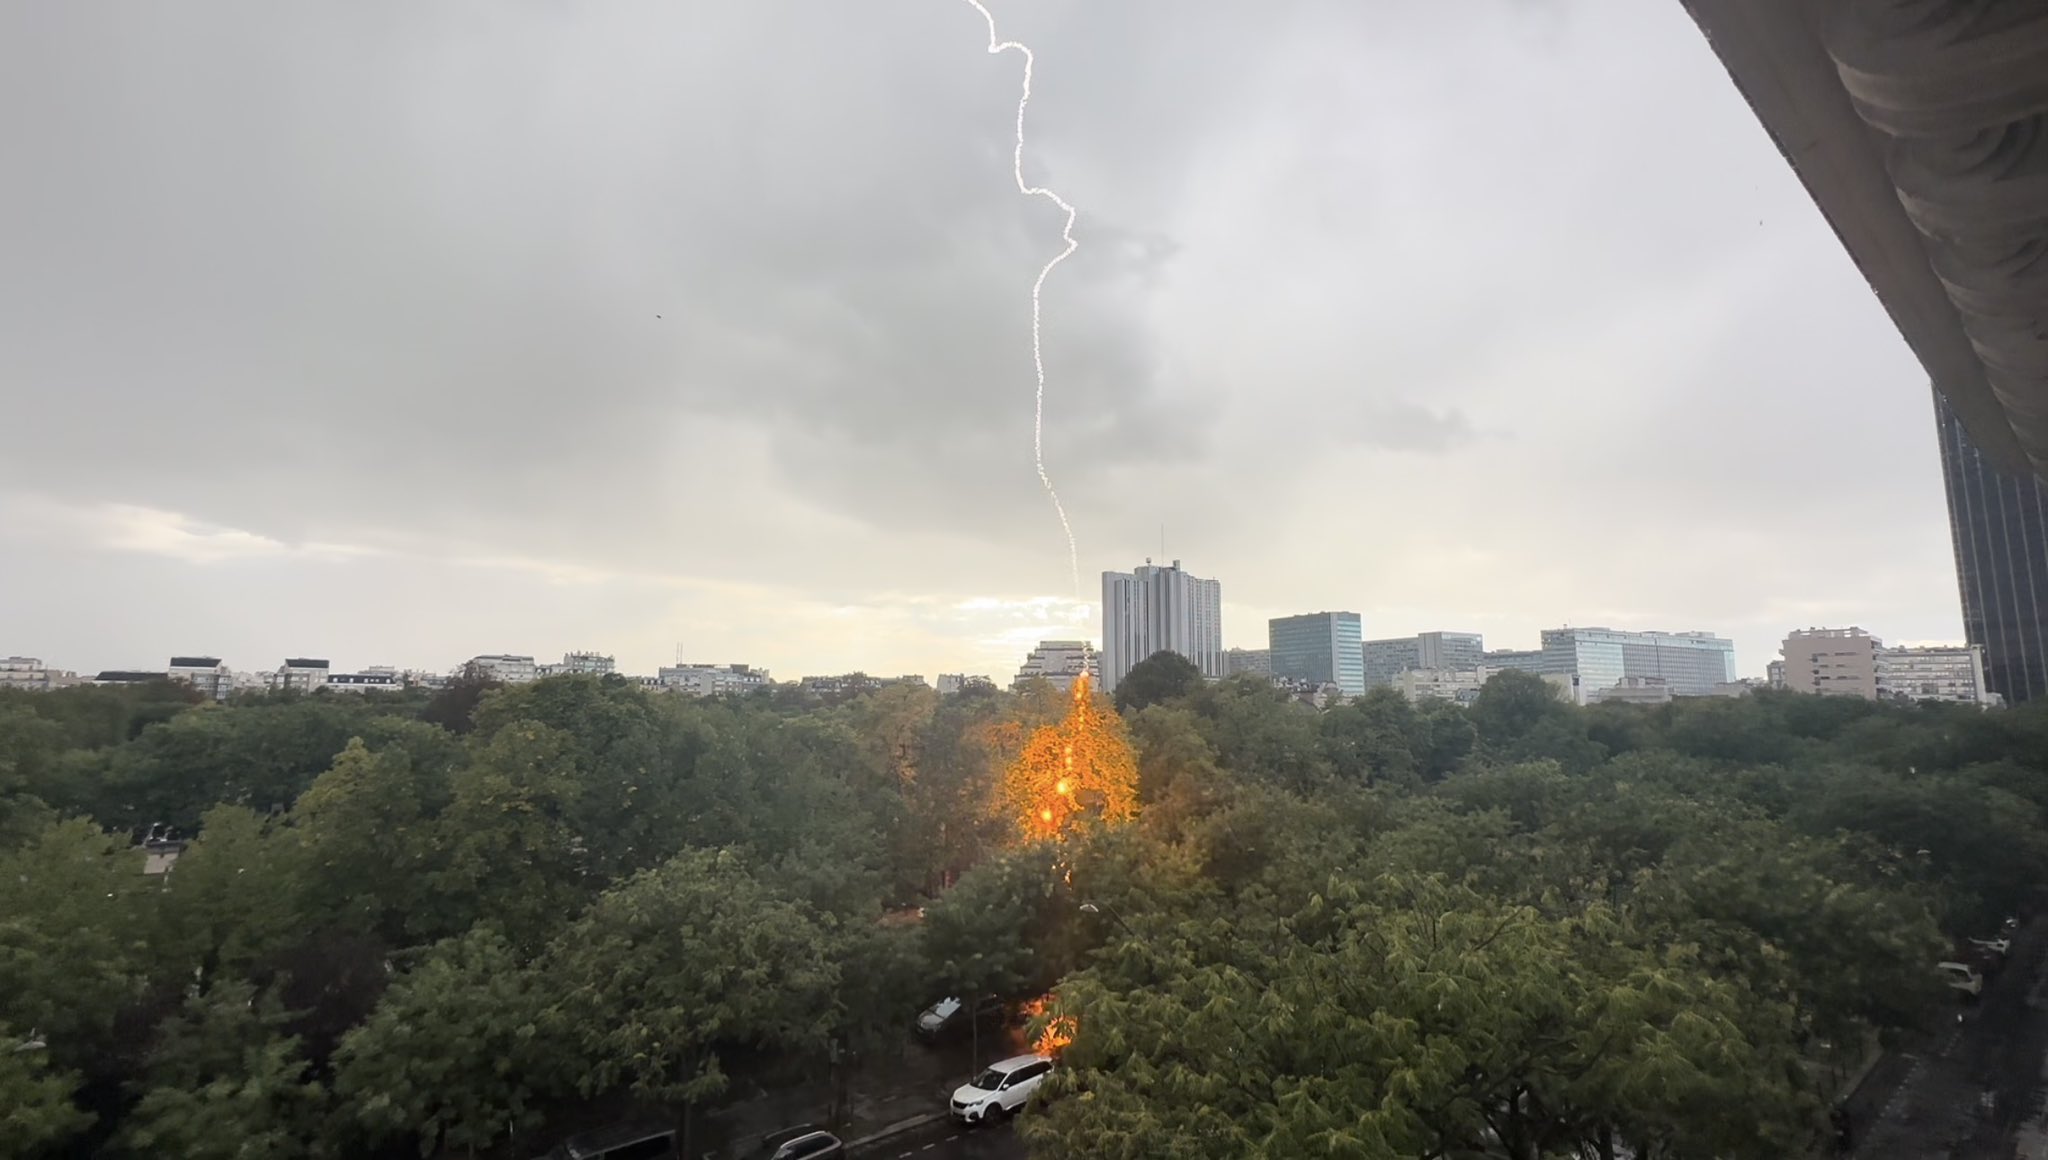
1081,767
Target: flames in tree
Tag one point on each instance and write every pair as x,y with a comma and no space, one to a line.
1081,767
1055,1028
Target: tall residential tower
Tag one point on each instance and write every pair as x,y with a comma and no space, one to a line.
1159,609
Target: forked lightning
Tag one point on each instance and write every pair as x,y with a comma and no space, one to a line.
996,46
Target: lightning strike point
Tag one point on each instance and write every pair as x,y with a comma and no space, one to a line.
996,46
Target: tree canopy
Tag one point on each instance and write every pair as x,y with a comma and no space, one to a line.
1521,930
1163,676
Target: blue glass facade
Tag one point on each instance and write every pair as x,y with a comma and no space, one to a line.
1691,663
1319,647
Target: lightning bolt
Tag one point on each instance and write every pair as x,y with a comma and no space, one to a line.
996,47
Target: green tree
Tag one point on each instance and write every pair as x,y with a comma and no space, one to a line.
1262,734
236,897
627,814
1447,739
453,706
1800,922
1375,738
459,1053
224,1084
991,932
1521,716
73,949
1985,844
680,962
103,716
36,1112
1163,676
367,839
1179,781
513,854
1426,1021
261,756
949,820
29,746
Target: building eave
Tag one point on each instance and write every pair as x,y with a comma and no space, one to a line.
1920,129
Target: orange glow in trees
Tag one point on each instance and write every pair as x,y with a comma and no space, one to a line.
1058,1030
1081,766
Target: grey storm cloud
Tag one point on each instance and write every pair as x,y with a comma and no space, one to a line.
484,251
677,295
1407,427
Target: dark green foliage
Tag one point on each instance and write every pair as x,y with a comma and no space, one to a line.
225,1083
1163,676
1373,930
460,1051
453,707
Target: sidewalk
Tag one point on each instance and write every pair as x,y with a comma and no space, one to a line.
890,1091
1962,1091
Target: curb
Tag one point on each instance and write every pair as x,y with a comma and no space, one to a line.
1855,1082
896,1129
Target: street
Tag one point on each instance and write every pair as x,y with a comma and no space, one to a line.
947,1140
1960,1092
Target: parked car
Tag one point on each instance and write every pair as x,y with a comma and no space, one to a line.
1001,1089
1962,978
1985,962
948,1016
619,1142
803,1142
1999,946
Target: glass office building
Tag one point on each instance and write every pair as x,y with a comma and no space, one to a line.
1691,664
1387,659
1451,652
1444,652
1321,648
1999,523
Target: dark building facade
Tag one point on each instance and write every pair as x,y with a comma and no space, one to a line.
1999,523
1321,648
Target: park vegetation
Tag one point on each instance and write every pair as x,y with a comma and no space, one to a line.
446,925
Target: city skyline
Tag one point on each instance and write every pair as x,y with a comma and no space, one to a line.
1748,665
525,386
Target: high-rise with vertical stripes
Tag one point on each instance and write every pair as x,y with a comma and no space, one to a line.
1154,609
1999,522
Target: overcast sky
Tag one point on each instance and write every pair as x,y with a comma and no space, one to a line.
396,332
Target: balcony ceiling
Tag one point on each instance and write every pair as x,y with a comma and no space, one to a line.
1920,128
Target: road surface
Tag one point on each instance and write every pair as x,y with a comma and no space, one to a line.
947,1140
1959,1093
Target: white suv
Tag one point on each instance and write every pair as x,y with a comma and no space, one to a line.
1001,1090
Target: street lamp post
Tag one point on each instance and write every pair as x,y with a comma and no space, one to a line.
1105,908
